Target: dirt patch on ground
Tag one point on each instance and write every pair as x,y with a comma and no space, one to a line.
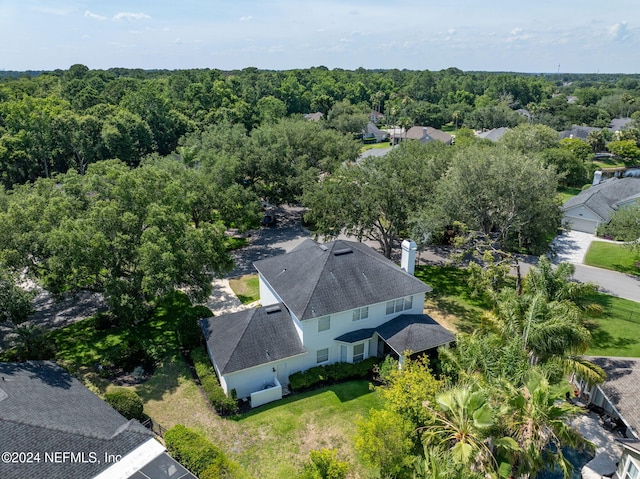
446,320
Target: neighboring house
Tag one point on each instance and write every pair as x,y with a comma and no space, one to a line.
423,134
597,204
374,134
577,131
618,124
619,398
66,432
376,116
493,135
317,116
321,304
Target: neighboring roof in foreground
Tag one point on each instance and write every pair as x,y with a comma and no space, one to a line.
45,410
315,279
622,386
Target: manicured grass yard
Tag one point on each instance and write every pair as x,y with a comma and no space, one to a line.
246,288
371,146
617,331
612,256
451,302
567,192
272,441
289,429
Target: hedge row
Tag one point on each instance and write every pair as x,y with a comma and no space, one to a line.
331,373
209,381
200,456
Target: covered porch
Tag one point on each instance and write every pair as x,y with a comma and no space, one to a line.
404,334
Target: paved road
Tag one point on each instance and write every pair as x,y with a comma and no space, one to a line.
610,282
572,246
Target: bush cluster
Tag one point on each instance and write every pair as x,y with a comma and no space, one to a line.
331,373
131,353
126,402
222,403
200,456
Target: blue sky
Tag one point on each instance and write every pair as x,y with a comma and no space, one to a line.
586,36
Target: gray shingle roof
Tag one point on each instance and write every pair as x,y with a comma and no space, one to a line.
251,337
315,279
414,332
44,409
493,135
603,198
577,131
622,386
407,332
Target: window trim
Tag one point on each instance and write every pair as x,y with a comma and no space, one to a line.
399,305
353,352
357,314
320,320
318,361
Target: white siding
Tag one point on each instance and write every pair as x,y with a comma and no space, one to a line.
581,218
253,379
267,295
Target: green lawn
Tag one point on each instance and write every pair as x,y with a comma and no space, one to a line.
246,288
567,192
617,331
271,441
451,302
289,429
612,256
371,146
82,345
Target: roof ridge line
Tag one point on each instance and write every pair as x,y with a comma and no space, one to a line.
252,312
329,251
104,437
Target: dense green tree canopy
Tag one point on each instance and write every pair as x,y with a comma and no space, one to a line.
123,232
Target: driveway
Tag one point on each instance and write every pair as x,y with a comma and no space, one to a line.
571,247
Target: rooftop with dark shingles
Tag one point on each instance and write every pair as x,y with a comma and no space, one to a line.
315,280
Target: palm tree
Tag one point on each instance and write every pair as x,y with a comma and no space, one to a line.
460,428
551,331
536,417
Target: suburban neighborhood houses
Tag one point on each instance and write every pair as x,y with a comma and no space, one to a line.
319,273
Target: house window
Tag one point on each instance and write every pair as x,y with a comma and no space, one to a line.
632,471
361,313
343,353
358,352
324,323
399,305
322,355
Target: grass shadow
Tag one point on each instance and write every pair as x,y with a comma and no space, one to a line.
166,378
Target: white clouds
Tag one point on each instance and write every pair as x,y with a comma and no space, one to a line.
94,16
127,16
247,18
619,32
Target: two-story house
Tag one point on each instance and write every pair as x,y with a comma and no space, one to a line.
322,303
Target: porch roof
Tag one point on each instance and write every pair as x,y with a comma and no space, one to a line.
407,332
